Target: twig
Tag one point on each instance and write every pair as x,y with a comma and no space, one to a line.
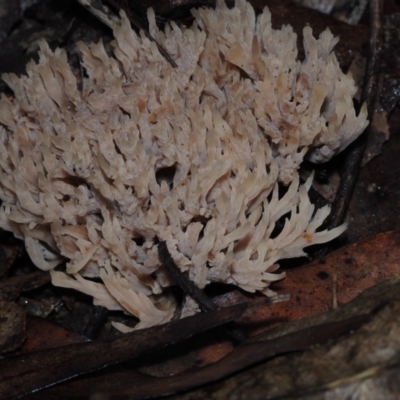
374,55
355,156
186,284
193,291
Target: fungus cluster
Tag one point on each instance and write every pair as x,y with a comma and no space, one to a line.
203,156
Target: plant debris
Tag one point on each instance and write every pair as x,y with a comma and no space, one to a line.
358,267
375,309
336,370
12,326
242,357
12,315
30,372
44,334
12,287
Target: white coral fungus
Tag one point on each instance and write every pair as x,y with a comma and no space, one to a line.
194,155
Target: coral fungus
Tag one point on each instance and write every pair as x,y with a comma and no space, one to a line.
194,156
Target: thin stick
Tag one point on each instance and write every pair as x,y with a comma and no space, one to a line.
354,158
186,284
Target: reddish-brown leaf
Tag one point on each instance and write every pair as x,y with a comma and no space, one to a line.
43,334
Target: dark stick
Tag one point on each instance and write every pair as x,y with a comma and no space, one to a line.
193,291
374,56
187,285
355,156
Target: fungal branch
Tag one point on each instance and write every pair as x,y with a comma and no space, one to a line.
97,8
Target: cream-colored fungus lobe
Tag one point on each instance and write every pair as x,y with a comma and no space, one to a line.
193,155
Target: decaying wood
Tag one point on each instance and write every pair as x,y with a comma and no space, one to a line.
44,334
8,255
390,93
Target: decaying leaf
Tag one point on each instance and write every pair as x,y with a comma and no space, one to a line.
12,326
379,134
44,334
318,287
12,315
12,287
8,254
10,13
36,308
